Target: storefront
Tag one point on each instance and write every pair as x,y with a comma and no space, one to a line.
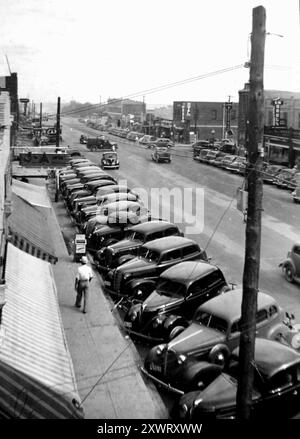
36,370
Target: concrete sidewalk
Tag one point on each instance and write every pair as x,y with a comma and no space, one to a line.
106,364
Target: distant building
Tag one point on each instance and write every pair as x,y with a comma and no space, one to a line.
206,119
124,112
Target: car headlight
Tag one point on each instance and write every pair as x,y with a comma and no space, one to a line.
159,349
127,275
197,402
133,316
157,322
181,359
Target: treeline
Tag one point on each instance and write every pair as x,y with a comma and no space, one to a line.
79,109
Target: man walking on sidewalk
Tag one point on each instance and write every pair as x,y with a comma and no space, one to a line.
83,277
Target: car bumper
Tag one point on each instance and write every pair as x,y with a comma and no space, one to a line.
110,166
140,335
161,383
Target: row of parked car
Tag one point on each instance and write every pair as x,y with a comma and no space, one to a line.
279,175
171,297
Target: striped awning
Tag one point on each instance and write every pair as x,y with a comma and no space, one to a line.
36,372
30,223
33,194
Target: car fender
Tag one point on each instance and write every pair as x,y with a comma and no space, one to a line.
133,284
172,321
197,375
125,258
286,262
219,349
277,332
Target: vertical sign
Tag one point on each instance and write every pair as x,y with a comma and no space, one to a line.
276,111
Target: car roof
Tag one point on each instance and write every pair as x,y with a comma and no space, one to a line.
100,181
271,357
228,306
188,271
168,243
152,226
121,203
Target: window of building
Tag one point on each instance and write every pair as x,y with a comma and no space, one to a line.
285,116
233,114
214,114
27,248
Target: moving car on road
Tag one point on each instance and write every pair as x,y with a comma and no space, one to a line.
83,139
161,154
110,160
291,265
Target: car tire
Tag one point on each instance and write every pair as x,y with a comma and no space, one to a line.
176,331
288,273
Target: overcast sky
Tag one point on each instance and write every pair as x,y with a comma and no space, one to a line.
115,48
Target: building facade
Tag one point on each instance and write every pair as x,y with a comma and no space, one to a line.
208,120
282,125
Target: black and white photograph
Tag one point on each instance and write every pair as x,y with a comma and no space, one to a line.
150,213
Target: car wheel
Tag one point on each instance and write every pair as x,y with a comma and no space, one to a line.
176,331
288,273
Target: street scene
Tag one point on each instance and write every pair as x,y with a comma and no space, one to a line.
150,254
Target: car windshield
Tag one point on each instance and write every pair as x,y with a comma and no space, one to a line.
109,156
150,255
211,321
170,288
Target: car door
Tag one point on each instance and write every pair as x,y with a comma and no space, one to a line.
196,294
296,259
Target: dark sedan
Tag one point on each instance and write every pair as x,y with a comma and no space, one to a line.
179,290
275,393
139,274
112,256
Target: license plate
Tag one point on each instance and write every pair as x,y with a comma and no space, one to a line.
107,282
128,324
155,367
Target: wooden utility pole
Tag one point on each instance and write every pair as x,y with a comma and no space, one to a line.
58,123
41,114
253,227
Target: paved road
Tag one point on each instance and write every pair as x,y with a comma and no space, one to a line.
224,240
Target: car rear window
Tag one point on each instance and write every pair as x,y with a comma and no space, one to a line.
191,249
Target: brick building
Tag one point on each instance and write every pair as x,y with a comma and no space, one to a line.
282,125
206,119
123,112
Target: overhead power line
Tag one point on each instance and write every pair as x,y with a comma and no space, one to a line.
156,89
